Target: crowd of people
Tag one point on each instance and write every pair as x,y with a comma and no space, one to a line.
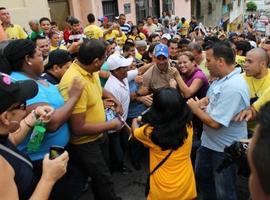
180,89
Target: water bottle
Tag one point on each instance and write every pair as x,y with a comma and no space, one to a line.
36,137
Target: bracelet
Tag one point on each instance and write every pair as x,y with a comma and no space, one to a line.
27,124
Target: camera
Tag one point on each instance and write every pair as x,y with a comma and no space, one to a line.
236,153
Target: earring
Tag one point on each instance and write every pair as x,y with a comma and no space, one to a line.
29,63
14,127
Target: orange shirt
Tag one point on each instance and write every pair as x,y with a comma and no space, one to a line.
175,178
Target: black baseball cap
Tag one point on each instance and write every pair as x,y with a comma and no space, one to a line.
12,91
57,57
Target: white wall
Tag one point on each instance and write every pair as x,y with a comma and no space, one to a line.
237,10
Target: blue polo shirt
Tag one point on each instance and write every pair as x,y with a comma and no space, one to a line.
227,97
50,95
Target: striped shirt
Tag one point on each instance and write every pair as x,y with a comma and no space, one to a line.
125,28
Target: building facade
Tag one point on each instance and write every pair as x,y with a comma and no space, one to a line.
24,10
237,9
225,13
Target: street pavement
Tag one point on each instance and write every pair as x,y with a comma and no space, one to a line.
127,186
131,186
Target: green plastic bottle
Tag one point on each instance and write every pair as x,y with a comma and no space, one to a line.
36,137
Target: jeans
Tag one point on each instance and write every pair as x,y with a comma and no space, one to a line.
213,185
118,145
136,148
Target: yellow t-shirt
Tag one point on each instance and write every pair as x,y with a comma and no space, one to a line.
184,29
93,31
63,47
257,86
175,178
15,32
120,41
113,35
90,101
141,35
262,100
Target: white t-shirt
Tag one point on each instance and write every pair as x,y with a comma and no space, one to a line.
120,90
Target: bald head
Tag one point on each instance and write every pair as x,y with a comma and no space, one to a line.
256,63
260,54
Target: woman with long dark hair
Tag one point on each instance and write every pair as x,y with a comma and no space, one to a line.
167,131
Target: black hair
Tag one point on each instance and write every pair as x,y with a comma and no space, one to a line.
91,18
211,38
69,18
74,21
251,37
133,27
153,35
184,41
39,37
175,41
260,154
244,46
169,116
51,33
140,22
183,20
44,19
97,49
243,35
146,56
53,23
224,50
2,8
15,52
208,45
127,46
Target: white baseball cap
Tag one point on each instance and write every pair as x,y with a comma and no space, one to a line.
116,61
167,36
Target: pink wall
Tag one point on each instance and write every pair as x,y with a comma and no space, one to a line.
182,8
81,8
132,15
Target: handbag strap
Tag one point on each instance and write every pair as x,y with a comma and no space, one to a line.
161,162
4,148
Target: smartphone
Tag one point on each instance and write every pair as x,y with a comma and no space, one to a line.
56,151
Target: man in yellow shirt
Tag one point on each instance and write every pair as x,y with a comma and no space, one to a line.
13,31
92,30
184,27
256,73
257,76
112,31
88,123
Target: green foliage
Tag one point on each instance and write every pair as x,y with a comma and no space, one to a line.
251,6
